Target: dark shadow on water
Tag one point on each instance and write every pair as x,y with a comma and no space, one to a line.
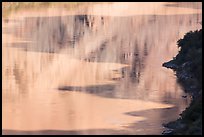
106,90
110,91
153,114
154,118
91,89
64,132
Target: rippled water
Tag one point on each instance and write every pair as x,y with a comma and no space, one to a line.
95,69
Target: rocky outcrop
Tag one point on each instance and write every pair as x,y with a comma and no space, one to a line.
188,67
170,65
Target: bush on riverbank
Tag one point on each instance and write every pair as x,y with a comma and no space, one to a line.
191,53
188,67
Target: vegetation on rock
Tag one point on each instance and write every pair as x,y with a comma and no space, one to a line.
188,69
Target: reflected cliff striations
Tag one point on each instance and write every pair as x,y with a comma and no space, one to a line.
91,71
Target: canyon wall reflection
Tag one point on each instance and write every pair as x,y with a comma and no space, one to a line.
92,71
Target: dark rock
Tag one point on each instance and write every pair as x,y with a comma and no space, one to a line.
186,64
167,132
188,60
184,75
184,96
170,65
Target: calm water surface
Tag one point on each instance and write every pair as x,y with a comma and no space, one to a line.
95,69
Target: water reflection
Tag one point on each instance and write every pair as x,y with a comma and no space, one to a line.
113,62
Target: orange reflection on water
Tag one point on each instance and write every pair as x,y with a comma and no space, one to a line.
93,71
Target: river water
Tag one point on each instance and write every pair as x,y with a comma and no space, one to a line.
93,69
